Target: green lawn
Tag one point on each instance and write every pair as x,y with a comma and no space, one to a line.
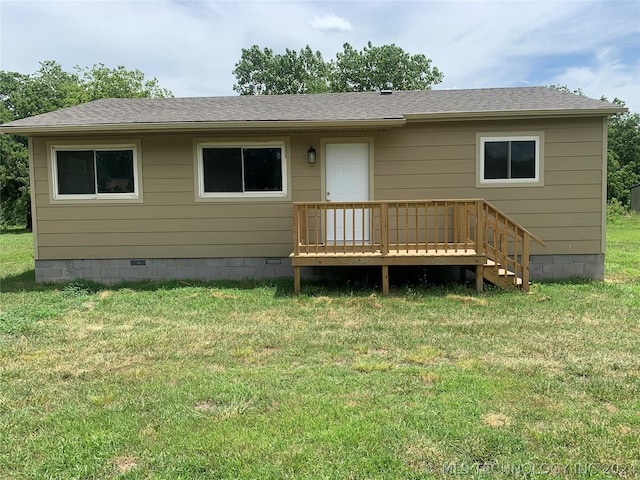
242,380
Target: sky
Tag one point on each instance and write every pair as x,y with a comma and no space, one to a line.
192,47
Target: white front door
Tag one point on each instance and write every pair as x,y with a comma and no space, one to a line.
347,180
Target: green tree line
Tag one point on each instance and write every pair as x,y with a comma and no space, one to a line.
388,67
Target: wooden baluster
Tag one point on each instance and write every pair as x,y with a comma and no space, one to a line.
446,227
353,229
415,230
397,239
307,234
296,236
470,213
372,227
326,228
496,240
426,226
317,226
384,228
335,228
436,228
456,229
515,255
505,244
465,224
406,227
480,228
525,262
344,228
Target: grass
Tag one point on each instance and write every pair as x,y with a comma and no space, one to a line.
244,380
623,245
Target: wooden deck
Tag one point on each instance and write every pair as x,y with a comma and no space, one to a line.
469,233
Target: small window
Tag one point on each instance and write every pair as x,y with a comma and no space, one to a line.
509,160
231,171
84,173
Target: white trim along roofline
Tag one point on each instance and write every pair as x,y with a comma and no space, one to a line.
499,115
202,126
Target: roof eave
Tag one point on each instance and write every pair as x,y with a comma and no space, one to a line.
385,123
523,114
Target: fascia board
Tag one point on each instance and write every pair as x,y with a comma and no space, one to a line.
524,114
196,126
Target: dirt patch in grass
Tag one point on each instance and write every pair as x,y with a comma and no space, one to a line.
125,463
429,378
205,405
369,367
424,355
468,300
223,295
496,420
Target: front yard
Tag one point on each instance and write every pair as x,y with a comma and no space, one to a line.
244,380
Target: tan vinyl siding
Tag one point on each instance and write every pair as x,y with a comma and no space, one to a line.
169,223
437,160
417,161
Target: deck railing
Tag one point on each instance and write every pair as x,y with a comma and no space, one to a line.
506,244
416,227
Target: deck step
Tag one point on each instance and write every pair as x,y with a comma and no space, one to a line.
494,273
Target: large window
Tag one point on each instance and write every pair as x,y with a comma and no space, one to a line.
509,160
242,170
81,172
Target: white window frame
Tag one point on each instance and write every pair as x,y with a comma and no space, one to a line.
136,195
537,180
281,194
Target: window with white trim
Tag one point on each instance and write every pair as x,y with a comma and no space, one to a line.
85,172
247,170
510,159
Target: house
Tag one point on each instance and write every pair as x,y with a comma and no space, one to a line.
507,179
635,198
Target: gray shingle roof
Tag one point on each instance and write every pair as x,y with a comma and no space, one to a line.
321,108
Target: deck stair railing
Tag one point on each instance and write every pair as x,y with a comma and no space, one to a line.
415,228
507,246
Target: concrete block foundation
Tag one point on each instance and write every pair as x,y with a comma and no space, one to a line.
109,271
558,267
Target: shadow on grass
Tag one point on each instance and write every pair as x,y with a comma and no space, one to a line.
570,281
14,231
23,282
362,284
26,282
282,287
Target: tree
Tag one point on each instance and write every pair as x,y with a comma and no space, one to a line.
623,169
261,72
49,89
14,181
101,82
387,67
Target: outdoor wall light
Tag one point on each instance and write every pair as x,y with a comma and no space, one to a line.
311,155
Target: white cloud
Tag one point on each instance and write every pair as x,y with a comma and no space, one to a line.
330,22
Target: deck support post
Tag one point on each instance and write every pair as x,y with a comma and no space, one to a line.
385,279
479,278
296,279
